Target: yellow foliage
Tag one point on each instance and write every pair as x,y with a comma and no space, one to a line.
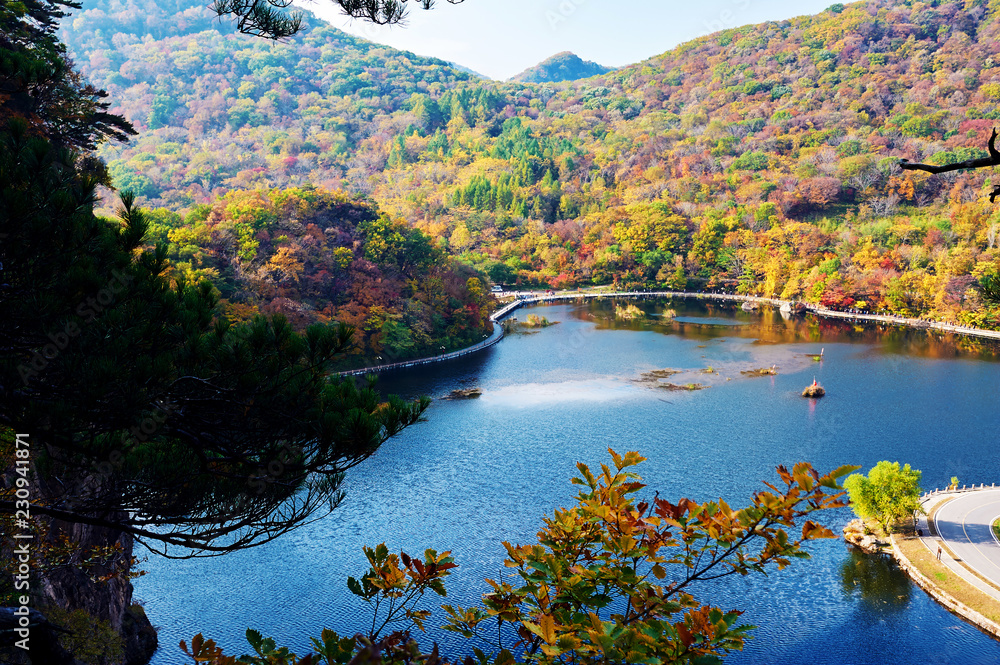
288,261
460,238
867,257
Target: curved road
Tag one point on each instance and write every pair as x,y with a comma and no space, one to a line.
964,523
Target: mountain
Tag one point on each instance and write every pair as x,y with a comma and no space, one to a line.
760,159
222,111
563,66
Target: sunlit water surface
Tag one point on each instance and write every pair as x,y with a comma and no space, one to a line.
482,471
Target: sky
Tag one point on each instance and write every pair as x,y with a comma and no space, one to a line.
500,38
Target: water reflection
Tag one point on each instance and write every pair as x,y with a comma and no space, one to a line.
876,581
711,320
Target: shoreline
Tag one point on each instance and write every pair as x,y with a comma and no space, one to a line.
891,319
493,338
533,299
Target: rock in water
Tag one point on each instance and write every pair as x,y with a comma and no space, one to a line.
465,393
856,534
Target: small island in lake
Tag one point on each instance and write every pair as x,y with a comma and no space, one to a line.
762,371
629,312
535,321
814,390
652,379
465,393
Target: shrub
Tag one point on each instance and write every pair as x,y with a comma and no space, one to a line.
610,580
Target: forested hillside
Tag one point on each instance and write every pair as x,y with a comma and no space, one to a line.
761,158
228,111
316,256
109,25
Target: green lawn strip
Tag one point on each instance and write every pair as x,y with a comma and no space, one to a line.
996,527
960,561
946,580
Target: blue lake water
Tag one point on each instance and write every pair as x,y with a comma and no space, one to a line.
482,471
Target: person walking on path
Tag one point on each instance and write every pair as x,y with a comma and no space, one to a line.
939,553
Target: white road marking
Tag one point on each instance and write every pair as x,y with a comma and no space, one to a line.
963,520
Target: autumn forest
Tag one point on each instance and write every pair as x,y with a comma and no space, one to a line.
761,160
207,237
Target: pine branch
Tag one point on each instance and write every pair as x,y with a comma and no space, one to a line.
266,18
260,18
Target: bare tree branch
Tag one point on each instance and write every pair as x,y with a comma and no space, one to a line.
982,162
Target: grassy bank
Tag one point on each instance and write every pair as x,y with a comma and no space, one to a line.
944,578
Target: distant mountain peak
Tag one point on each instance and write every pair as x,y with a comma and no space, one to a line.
564,66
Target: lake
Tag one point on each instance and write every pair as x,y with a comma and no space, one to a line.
482,471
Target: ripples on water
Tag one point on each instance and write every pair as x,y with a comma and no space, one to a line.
482,471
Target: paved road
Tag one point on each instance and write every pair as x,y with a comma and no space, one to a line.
964,522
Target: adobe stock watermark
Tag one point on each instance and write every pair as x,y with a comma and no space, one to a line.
136,434
275,468
562,12
88,309
727,18
21,550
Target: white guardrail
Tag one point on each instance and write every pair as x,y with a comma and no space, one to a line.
964,488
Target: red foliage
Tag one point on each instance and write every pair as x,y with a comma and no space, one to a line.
835,298
934,238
